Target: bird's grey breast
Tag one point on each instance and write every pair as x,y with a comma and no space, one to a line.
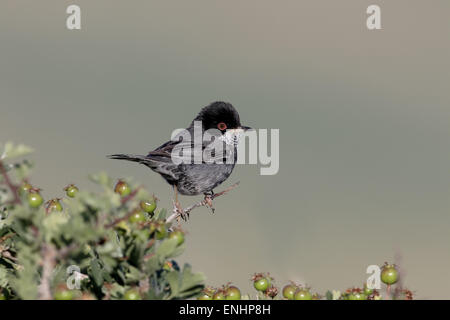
200,178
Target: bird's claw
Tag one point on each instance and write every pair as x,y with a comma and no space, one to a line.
181,213
208,201
184,216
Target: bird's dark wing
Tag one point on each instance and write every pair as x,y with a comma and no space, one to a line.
212,151
159,160
163,152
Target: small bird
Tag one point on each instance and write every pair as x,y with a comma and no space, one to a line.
196,178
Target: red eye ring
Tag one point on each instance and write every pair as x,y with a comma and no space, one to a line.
221,126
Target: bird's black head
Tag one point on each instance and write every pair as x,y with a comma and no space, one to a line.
219,115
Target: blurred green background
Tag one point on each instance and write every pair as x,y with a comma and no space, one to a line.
364,119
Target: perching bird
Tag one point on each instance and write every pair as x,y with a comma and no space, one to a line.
195,178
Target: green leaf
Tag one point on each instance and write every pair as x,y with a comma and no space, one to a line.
26,279
173,278
168,249
185,284
152,295
96,272
191,280
101,178
13,151
52,225
23,169
161,215
152,265
3,277
133,274
4,194
115,290
336,294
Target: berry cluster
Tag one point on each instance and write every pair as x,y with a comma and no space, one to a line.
262,282
227,292
265,288
293,291
34,198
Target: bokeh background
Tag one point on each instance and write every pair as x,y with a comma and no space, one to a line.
364,119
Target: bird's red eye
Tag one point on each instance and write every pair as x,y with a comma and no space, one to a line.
222,126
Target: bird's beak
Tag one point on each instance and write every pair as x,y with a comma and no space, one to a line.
245,128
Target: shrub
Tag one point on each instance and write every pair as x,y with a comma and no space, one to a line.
86,245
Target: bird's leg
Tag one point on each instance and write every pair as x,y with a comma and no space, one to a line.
209,196
178,208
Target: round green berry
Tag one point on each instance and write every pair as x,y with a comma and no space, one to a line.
122,188
219,295
204,296
35,199
289,291
303,294
389,274
132,294
261,284
357,296
232,293
123,227
71,191
367,291
178,235
136,217
54,205
207,294
161,232
63,294
148,206
24,188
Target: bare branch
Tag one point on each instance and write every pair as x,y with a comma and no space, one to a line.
205,202
118,220
9,183
49,254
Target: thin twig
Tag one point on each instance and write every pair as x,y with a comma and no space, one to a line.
7,236
150,243
148,256
129,214
9,256
130,196
112,224
9,183
64,252
144,285
48,263
202,203
49,257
